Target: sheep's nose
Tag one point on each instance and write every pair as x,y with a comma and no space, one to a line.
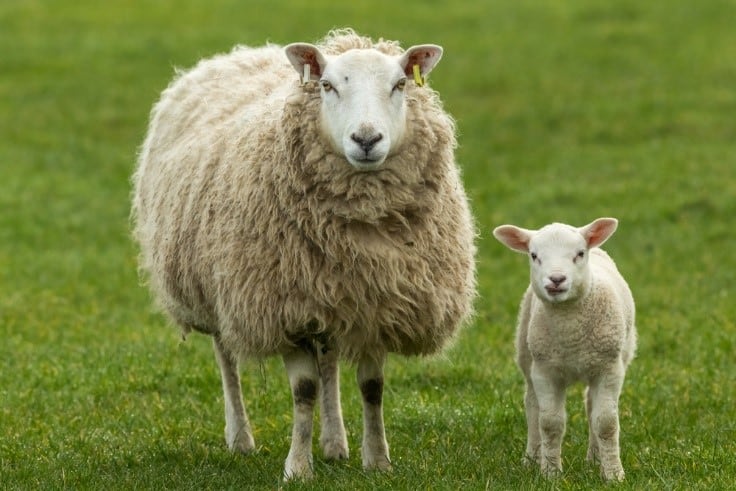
366,142
557,279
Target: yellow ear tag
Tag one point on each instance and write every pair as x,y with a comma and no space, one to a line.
306,74
418,76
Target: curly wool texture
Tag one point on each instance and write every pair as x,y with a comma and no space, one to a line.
251,226
582,337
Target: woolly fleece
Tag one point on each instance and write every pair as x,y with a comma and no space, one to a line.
251,227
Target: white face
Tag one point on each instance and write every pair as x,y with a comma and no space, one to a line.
363,106
558,258
363,112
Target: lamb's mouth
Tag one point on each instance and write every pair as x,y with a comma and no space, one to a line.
554,291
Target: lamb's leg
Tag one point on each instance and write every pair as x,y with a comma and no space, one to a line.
238,434
332,439
552,420
301,367
592,454
374,448
531,407
604,421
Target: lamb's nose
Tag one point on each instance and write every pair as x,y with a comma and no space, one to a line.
366,142
557,279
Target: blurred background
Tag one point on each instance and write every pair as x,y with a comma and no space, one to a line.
565,111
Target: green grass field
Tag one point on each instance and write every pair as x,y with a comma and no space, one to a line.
566,111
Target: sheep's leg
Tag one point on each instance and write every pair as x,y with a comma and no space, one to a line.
301,367
604,422
332,439
531,407
374,448
552,420
592,454
238,434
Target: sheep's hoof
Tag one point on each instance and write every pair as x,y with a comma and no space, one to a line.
298,470
379,463
241,442
529,460
551,471
335,449
615,474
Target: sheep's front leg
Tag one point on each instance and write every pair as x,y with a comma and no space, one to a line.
552,420
374,448
301,367
531,407
332,439
592,454
604,423
238,434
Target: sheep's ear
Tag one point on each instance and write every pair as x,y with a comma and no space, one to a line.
598,231
425,56
301,54
515,238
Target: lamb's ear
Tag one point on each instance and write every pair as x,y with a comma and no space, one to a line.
598,231
515,238
425,56
301,54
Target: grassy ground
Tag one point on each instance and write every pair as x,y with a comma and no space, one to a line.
566,111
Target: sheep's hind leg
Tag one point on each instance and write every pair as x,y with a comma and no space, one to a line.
238,434
375,448
301,367
332,439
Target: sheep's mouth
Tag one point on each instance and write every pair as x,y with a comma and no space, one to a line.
554,291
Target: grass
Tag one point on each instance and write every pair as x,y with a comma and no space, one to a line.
566,111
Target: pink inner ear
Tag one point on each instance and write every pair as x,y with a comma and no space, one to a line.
310,58
417,58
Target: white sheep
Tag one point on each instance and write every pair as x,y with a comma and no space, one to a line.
318,216
576,323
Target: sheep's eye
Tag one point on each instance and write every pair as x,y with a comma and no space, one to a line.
533,256
326,86
580,255
400,84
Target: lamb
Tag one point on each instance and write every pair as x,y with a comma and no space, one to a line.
576,323
319,216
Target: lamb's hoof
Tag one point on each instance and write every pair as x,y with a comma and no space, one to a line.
377,463
335,449
551,471
615,474
529,460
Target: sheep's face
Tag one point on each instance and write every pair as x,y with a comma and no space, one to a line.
558,260
363,102
558,255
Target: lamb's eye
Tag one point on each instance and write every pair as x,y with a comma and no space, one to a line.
326,86
533,255
580,255
400,84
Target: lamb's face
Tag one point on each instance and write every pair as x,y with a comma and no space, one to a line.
558,255
363,112
558,260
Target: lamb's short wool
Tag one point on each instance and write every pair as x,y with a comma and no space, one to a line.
576,324
305,202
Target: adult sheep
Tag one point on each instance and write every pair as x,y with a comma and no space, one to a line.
576,324
318,216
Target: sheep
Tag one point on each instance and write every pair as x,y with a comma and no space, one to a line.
576,324
318,216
